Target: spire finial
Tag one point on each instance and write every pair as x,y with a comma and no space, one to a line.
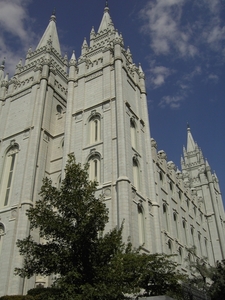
53,16
106,7
188,126
3,62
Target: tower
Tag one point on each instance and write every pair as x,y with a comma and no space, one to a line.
32,109
205,185
107,126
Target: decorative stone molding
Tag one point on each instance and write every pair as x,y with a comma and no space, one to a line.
2,229
201,169
171,165
153,143
162,155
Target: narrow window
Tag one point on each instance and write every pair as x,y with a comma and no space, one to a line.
188,203
189,257
161,176
141,224
176,225
136,174
192,236
185,232
96,130
200,244
180,195
7,177
8,187
206,248
94,125
94,169
194,210
133,132
2,232
170,247
165,217
59,109
180,255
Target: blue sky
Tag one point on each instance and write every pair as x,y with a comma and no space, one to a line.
179,43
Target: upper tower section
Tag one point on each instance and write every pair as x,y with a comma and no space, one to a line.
48,49
194,166
193,159
106,20
50,34
106,46
42,62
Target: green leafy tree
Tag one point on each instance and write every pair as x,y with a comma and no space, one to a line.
88,263
217,288
201,273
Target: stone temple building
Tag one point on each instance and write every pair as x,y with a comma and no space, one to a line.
95,106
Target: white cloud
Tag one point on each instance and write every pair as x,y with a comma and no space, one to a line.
183,26
189,36
213,77
173,102
196,72
162,22
12,16
14,21
158,75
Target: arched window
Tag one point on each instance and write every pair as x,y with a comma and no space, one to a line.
136,173
188,204
200,244
133,131
59,109
190,258
180,195
192,236
161,176
185,232
141,224
194,209
7,176
94,125
170,247
165,217
175,224
180,253
2,232
62,143
206,248
94,168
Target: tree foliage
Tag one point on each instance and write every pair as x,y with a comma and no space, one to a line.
88,263
201,271
217,288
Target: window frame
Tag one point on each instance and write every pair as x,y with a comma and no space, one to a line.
8,175
95,129
94,162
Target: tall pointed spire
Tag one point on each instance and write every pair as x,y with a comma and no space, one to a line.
106,19
191,145
73,59
50,33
